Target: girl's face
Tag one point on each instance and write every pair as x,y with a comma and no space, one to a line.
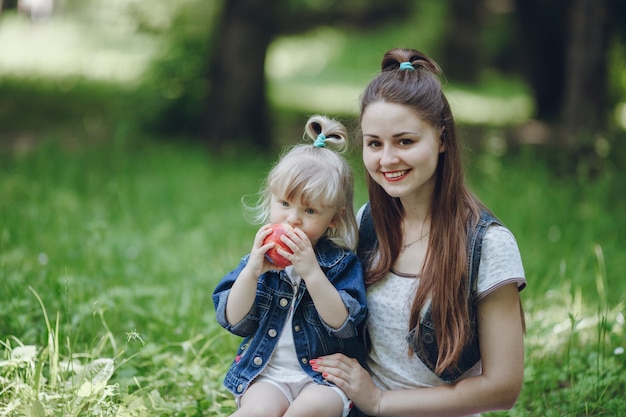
312,218
400,150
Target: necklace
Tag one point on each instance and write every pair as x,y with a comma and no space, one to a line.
405,247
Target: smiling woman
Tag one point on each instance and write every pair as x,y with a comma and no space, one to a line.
446,326
400,151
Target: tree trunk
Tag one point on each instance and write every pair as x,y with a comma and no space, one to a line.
586,78
236,106
542,26
462,55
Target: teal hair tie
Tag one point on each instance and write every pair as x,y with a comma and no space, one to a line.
320,142
406,66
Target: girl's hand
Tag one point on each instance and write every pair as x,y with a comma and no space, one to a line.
347,374
258,263
303,256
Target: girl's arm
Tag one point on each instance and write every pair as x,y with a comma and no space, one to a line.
325,296
243,292
497,388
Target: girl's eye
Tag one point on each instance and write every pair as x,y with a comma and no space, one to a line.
284,203
309,211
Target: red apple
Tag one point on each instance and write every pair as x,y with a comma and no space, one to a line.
272,255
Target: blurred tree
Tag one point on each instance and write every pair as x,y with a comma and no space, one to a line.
566,58
585,105
7,5
563,57
462,55
237,105
543,27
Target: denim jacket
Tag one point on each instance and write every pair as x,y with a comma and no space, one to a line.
424,342
265,322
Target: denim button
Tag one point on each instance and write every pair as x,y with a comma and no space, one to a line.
284,302
258,361
296,328
304,361
272,333
239,387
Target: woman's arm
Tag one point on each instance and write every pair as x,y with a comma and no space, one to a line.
497,388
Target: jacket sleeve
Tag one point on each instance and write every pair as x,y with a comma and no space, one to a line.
349,282
249,323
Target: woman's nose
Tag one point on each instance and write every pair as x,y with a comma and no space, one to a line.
388,156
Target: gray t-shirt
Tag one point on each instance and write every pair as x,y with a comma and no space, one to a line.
389,303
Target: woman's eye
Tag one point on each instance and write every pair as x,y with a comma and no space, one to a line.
405,141
373,144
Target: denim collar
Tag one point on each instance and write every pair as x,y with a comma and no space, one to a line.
328,254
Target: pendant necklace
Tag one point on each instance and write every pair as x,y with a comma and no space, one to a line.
405,247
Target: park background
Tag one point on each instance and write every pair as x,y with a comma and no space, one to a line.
130,130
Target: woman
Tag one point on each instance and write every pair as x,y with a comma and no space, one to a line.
446,324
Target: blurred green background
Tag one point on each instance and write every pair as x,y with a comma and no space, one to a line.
130,130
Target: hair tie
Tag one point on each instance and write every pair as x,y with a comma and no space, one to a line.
406,66
320,142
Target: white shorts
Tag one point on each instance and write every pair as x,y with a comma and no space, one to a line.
292,389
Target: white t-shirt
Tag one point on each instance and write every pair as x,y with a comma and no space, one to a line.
389,303
284,365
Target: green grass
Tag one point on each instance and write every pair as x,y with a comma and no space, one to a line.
123,241
109,254
110,246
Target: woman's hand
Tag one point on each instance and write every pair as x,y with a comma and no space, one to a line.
347,374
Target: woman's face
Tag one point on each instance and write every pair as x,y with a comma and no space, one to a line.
400,150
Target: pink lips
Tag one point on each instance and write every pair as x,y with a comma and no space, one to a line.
393,176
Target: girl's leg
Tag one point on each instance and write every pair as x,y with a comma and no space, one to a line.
317,401
262,399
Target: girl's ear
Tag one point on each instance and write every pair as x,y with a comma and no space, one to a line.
340,213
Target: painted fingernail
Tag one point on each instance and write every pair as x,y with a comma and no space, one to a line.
315,367
325,374
312,361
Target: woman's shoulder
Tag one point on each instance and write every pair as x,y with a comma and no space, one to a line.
499,242
497,232
500,260
359,213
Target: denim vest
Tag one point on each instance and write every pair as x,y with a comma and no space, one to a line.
275,296
424,341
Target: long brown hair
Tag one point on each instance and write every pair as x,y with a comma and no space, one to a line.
453,208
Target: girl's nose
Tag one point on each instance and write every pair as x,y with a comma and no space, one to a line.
293,219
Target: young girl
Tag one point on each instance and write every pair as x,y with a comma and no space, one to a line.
446,325
310,308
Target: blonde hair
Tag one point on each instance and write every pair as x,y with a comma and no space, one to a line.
314,173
